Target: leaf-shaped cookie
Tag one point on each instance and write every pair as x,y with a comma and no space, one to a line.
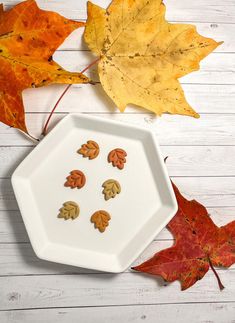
91,149
142,56
70,210
101,220
75,179
117,158
111,189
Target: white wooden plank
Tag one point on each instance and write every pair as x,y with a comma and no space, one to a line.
209,11
217,68
20,259
182,161
203,97
210,191
218,31
210,129
7,197
10,158
200,160
12,229
166,313
18,292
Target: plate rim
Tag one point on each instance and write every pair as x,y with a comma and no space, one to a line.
71,116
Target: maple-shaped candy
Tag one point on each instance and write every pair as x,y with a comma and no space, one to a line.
28,38
142,55
111,189
117,157
90,150
199,244
69,210
101,220
76,179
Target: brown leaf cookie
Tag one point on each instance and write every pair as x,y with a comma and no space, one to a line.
70,210
101,220
91,149
117,158
111,189
75,179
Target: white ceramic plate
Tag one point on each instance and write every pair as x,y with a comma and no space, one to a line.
144,206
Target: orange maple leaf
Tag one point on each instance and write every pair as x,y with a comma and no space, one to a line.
28,38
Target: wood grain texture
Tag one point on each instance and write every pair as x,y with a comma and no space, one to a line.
166,313
182,160
217,68
20,260
219,31
210,191
107,289
212,98
201,11
13,230
210,129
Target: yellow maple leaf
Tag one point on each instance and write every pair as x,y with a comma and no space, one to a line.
142,55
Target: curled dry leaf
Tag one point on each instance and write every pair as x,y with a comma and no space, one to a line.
142,55
199,245
28,38
91,149
76,179
111,189
117,158
101,220
70,210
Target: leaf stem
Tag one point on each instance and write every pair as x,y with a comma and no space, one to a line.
30,136
221,286
44,132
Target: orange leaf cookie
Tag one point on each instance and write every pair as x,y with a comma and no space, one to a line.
91,149
117,158
76,179
101,220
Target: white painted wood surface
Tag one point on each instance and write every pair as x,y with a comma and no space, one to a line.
201,162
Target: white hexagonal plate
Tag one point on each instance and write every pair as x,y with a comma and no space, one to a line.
144,206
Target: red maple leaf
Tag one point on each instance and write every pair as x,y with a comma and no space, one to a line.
199,245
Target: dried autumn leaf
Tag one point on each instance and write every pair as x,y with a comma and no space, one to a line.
101,220
142,55
70,210
28,38
76,179
111,189
199,244
90,149
117,158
